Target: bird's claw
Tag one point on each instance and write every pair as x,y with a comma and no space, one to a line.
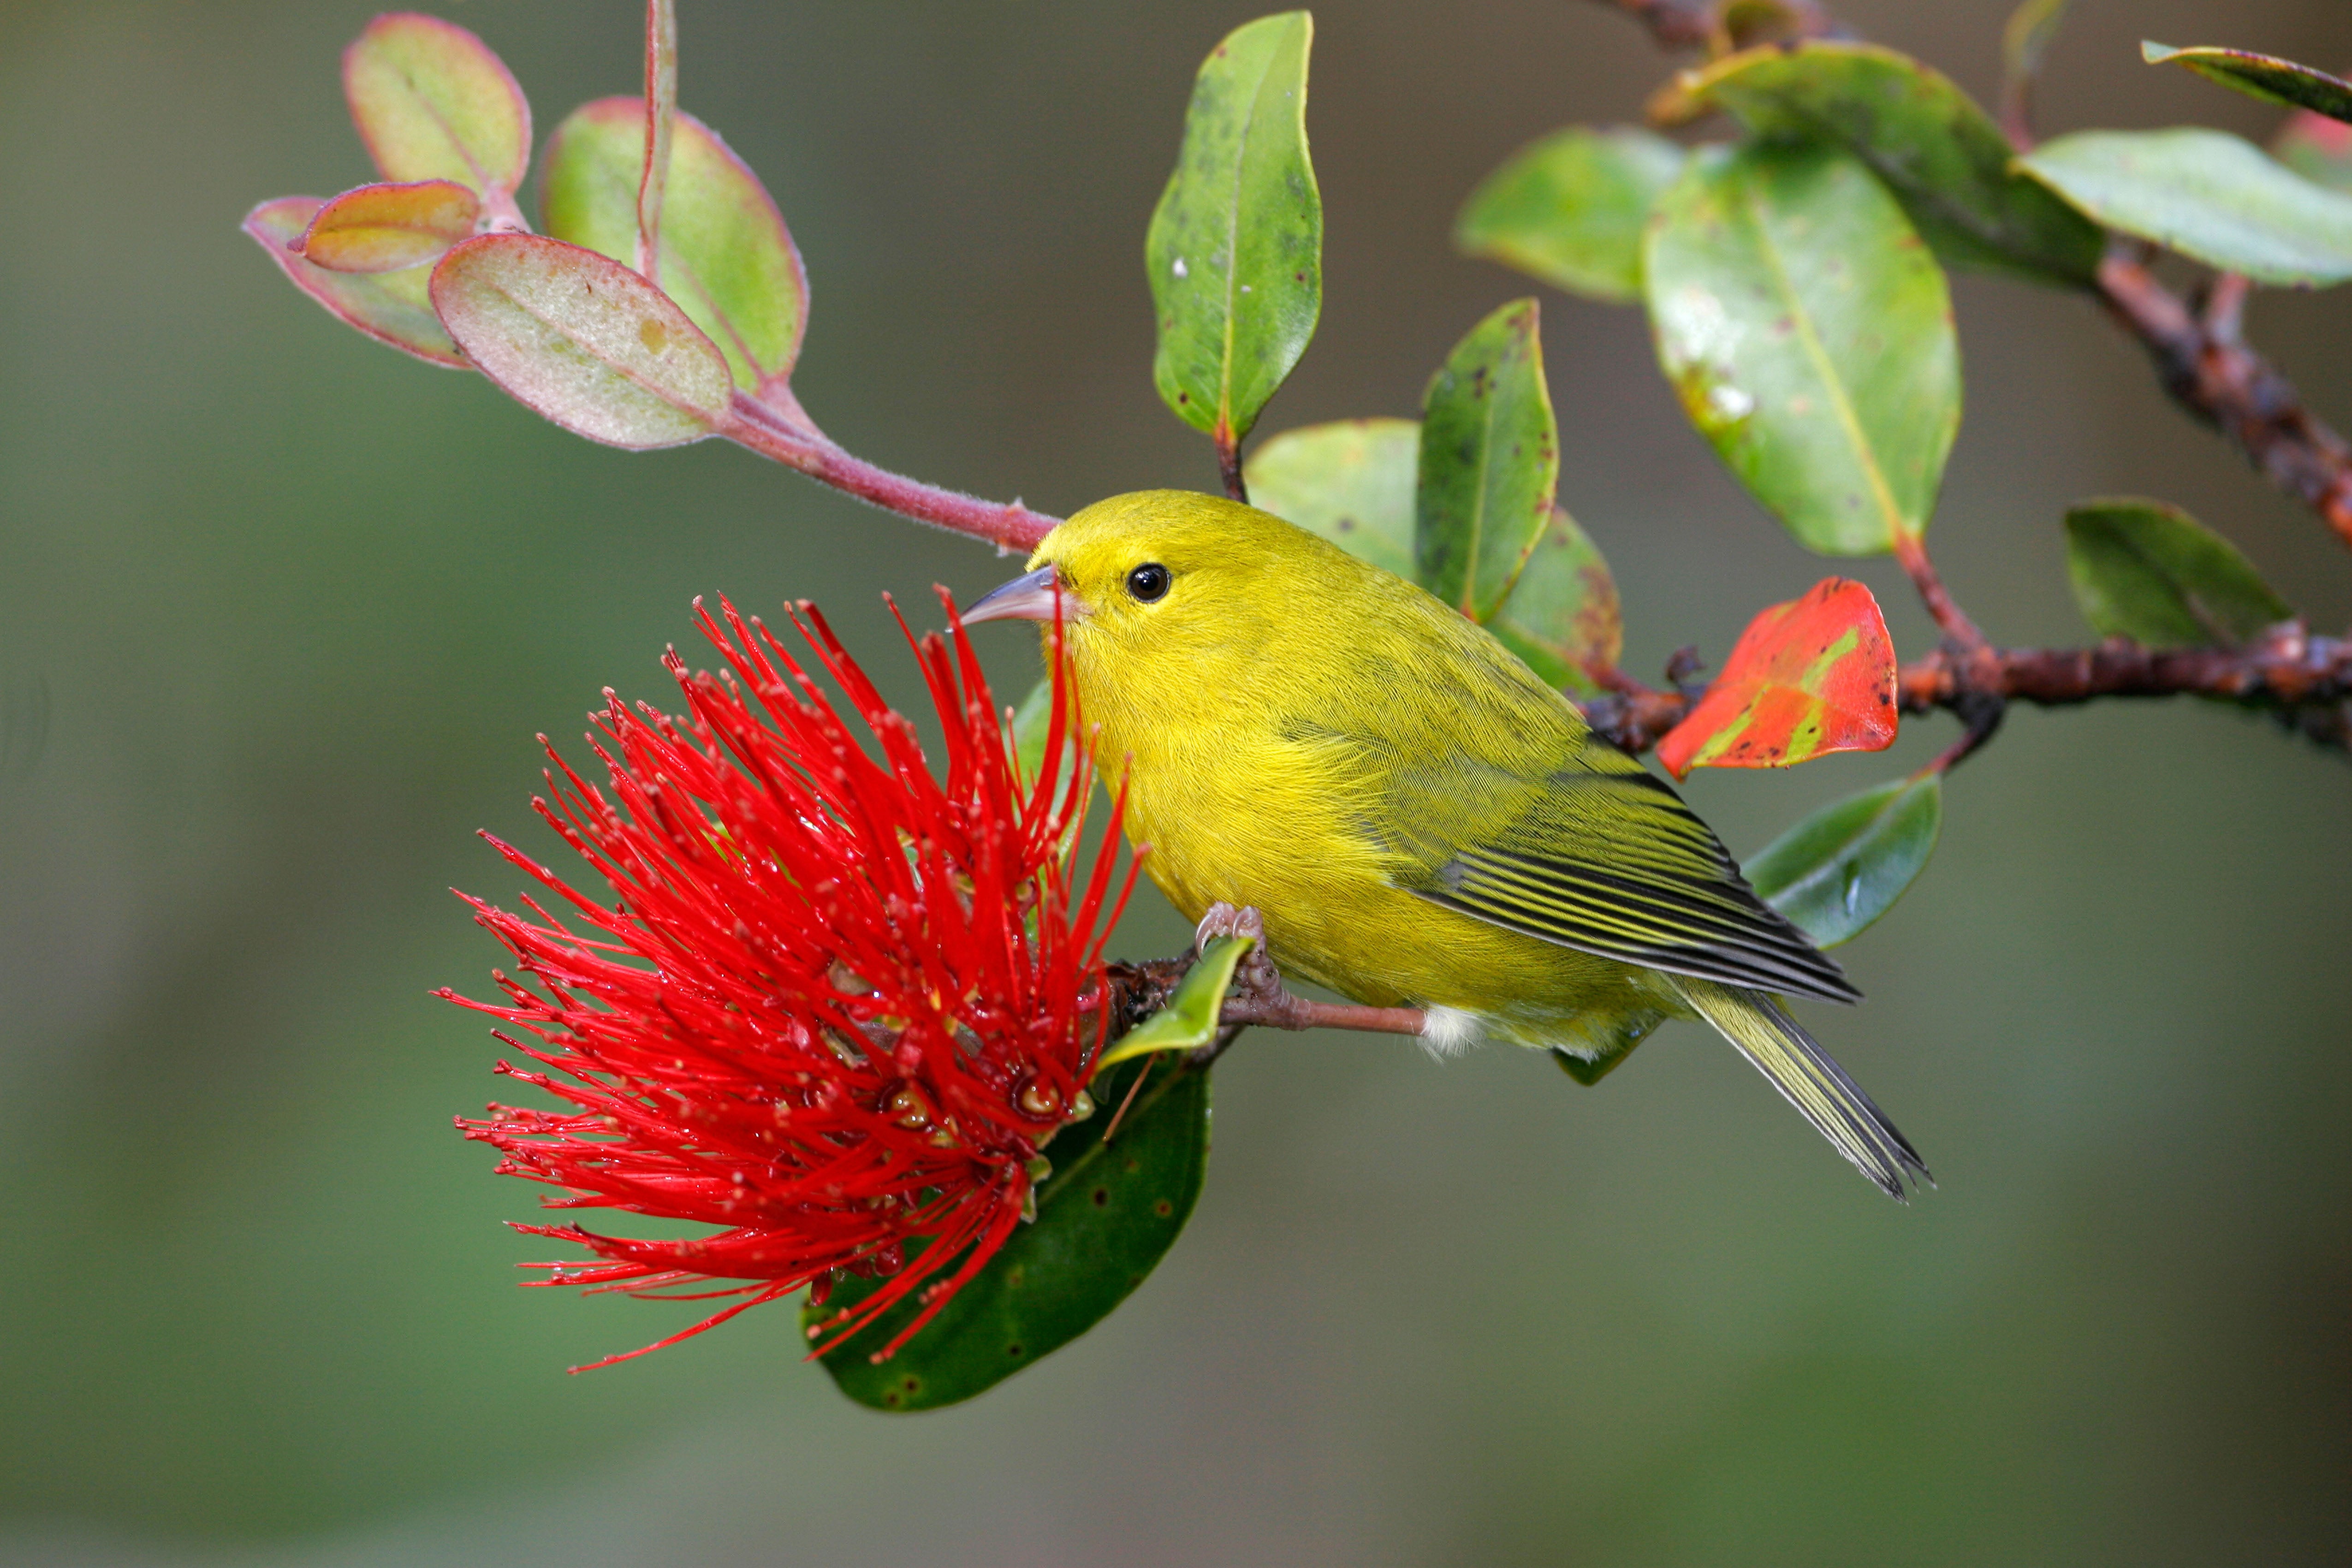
1257,976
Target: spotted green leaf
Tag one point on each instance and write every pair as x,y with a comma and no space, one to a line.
1105,1217
1489,463
1563,616
1810,335
582,340
2213,197
1351,482
1570,209
1235,252
1844,866
389,307
725,256
2266,77
1189,1019
432,102
1933,146
2151,573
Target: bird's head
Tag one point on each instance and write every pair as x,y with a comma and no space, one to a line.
1158,574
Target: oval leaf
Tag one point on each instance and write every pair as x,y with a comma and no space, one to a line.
2266,77
432,102
1844,866
1562,616
1489,463
2214,197
582,340
1188,1020
1810,334
2151,573
1942,154
1350,481
1106,1218
1236,248
1570,210
1806,679
384,228
726,256
389,307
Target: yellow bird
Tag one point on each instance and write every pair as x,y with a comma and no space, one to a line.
1418,818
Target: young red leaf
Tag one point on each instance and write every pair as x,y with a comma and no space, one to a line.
383,228
389,307
583,339
1809,677
432,102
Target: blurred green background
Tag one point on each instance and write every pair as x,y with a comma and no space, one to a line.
281,612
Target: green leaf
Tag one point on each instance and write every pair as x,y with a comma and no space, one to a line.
390,229
1844,866
1810,335
1236,248
582,340
1489,463
2213,197
2151,573
1188,1020
726,256
2266,77
389,307
1562,616
1106,1218
1570,209
432,102
1942,154
1350,481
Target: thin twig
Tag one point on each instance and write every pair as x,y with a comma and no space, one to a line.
2305,680
799,444
2210,371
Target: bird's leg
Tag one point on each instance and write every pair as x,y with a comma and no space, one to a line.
1255,979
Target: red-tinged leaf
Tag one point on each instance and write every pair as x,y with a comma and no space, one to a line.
389,307
1807,677
661,113
432,102
383,229
583,339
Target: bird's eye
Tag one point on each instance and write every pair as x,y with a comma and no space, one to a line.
1148,582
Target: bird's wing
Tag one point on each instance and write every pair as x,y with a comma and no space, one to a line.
1604,858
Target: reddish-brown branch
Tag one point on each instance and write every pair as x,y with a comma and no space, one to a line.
797,443
2215,376
2307,680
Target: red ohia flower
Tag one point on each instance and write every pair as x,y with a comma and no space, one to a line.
836,1004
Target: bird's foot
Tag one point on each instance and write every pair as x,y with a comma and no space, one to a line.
1256,977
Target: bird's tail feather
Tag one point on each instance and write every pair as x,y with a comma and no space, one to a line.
1808,1079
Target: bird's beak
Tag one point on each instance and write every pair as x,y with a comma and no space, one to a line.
1027,598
